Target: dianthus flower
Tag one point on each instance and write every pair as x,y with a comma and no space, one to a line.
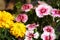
18,30
56,13
43,10
49,29
26,7
6,19
30,35
49,33
22,18
47,36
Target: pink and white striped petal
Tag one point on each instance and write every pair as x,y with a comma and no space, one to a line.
48,29
55,13
43,10
32,26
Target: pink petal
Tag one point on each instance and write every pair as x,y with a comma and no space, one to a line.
32,26
36,35
18,18
55,13
22,18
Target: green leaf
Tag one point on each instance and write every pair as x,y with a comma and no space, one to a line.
18,5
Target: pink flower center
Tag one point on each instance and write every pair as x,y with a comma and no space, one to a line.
57,11
48,29
43,10
22,17
26,7
31,35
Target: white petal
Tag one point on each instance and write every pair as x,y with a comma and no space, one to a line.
53,36
36,35
27,38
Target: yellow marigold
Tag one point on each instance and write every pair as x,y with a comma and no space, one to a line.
6,19
18,30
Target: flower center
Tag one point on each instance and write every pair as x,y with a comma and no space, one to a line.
31,35
22,17
43,10
26,6
57,11
48,30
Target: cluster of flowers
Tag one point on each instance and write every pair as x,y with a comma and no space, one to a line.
7,21
48,34
18,28
41,11
30,34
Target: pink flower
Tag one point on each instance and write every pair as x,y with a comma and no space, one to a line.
56,13
30,35
27,7
22,18
43,10
48,29
32,26
47,36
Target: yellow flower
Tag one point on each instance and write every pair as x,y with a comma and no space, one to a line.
18,30
6,19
